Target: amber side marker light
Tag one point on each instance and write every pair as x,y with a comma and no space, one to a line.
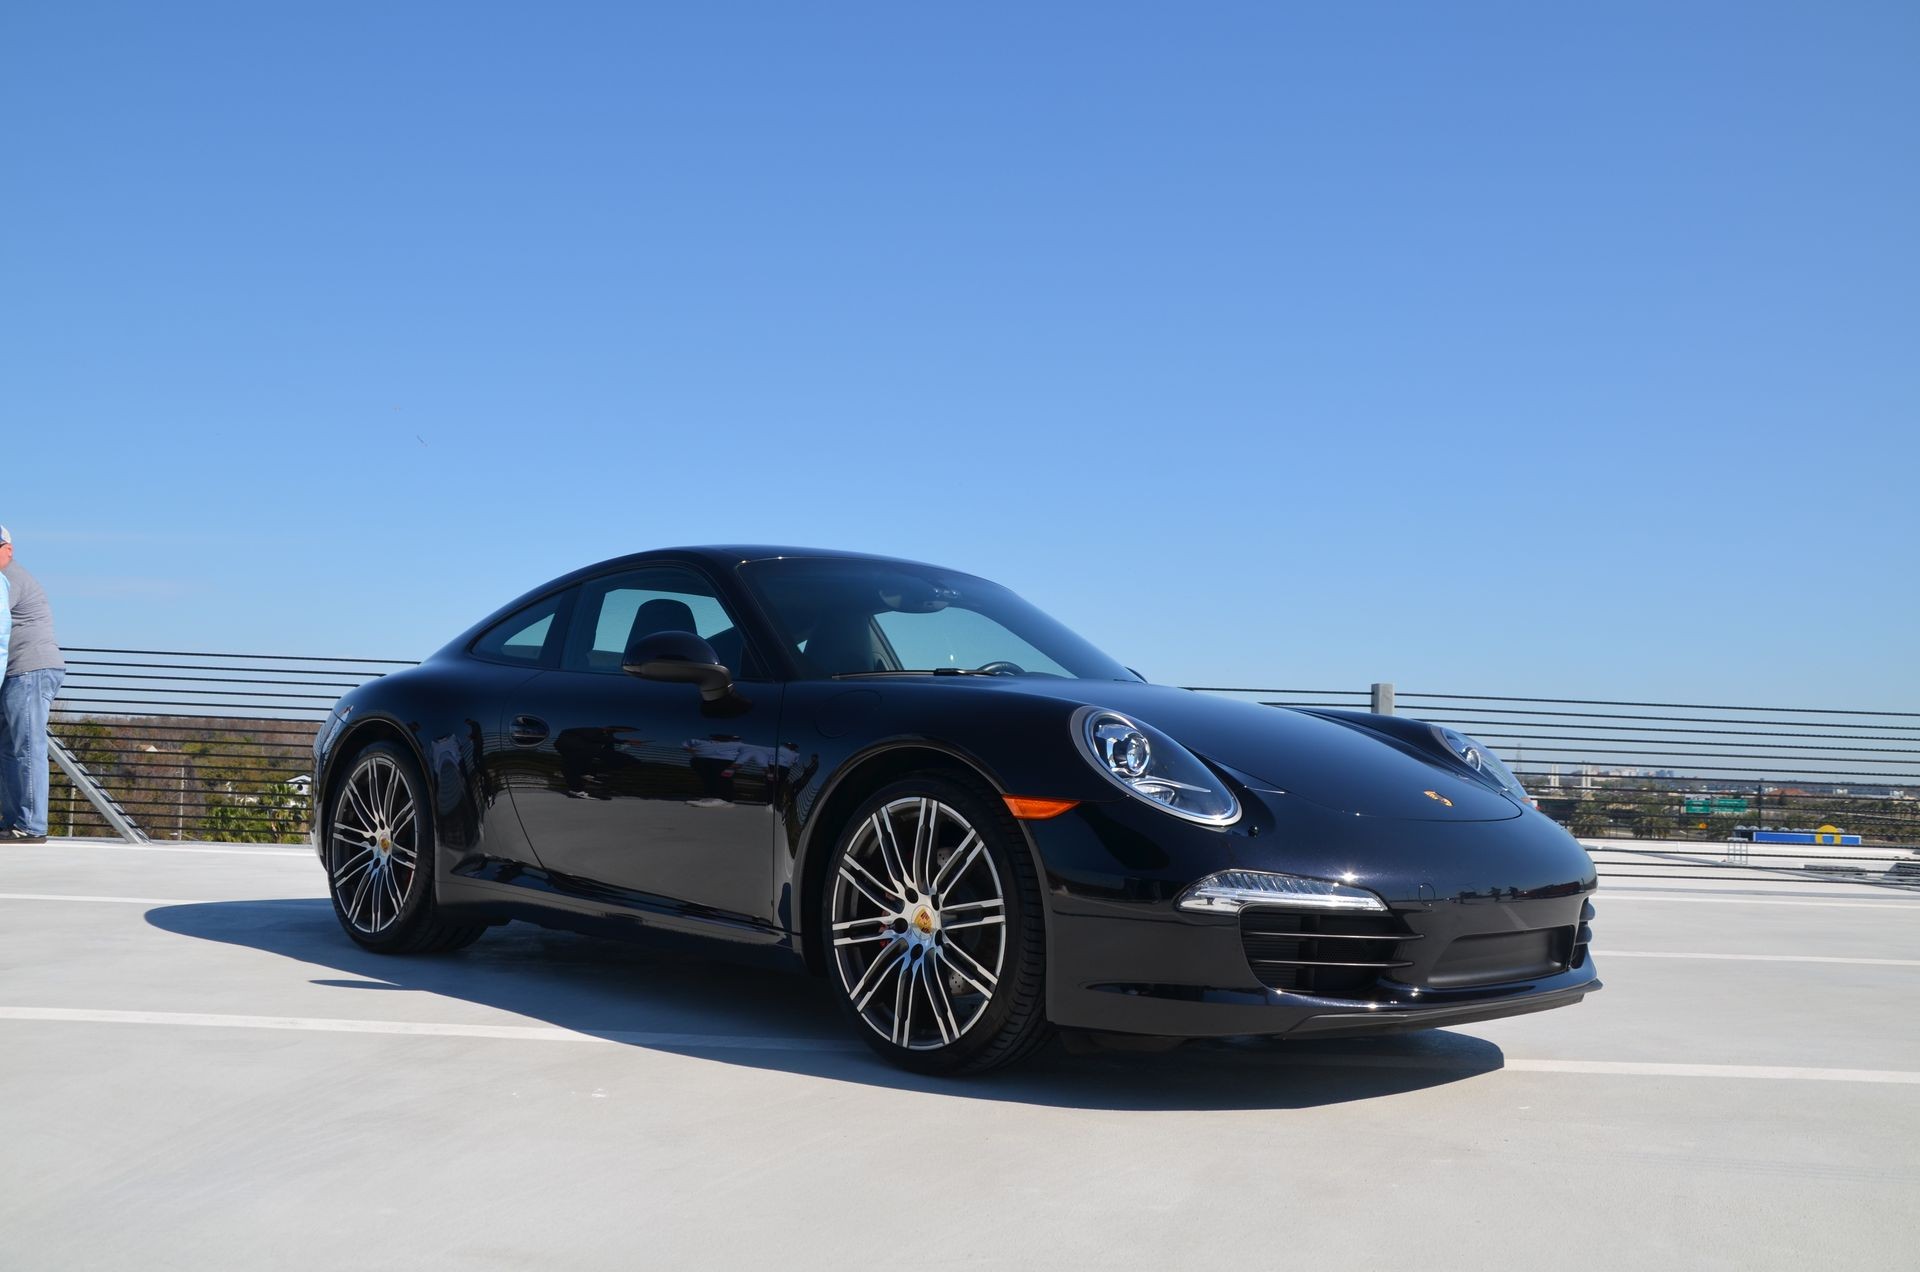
1038,809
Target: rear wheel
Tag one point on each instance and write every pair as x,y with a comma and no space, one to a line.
935,937
380,857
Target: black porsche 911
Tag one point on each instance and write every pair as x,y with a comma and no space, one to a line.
973,823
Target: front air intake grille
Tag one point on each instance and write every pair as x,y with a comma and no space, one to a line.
1495,958
1335,955
1582,936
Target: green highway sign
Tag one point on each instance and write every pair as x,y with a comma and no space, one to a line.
1716,804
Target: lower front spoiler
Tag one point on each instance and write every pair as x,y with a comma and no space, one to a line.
1186,1011
1347,1022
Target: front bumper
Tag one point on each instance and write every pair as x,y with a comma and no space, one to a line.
1487,919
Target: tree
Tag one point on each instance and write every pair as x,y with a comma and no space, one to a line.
1590,819
278,815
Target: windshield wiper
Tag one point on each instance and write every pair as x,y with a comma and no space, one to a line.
919,671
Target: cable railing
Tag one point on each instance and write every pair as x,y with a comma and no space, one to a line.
1678,789
218,746
202,746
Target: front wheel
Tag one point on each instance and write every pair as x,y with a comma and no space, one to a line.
936,941
380,857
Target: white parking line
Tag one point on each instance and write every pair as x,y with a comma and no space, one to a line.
61,896
1781,1073
1623,1068
432,1029
727,1042
1614,898
291,854
1763,958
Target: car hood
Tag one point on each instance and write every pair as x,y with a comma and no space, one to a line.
1335,765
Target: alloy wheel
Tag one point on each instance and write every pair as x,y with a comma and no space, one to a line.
919,923
374,849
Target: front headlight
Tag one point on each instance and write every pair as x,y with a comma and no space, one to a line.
1149,765
1476,755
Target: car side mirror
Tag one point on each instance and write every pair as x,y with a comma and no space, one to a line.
679,658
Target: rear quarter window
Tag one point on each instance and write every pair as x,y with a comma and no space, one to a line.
524,637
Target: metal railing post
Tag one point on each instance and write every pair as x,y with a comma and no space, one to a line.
1383,697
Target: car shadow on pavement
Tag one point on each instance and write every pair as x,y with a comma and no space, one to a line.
676,1002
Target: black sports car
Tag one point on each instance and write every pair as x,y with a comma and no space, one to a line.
972,822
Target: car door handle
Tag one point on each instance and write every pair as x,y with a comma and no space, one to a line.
528,730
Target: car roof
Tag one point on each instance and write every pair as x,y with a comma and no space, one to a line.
718,557
729,554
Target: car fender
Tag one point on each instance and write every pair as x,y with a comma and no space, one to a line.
817,835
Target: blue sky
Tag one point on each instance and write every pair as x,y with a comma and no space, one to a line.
1514,348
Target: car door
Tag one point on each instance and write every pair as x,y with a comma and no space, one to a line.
500,665
637,791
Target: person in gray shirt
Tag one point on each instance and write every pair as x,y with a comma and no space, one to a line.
34,672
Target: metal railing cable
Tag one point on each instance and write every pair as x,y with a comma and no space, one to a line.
1675,706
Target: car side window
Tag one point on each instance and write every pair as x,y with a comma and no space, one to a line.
617,610
525,636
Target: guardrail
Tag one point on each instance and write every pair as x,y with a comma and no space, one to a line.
217,746
195,745
1682,786
1638,767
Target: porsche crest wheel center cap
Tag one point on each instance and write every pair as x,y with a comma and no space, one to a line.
923,920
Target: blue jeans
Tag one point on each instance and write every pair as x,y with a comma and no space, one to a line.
25,701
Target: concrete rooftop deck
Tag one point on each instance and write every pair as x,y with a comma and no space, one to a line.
198,1070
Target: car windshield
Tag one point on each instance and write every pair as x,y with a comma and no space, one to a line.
850,617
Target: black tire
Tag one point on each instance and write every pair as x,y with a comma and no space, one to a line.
355,861
1011,1022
